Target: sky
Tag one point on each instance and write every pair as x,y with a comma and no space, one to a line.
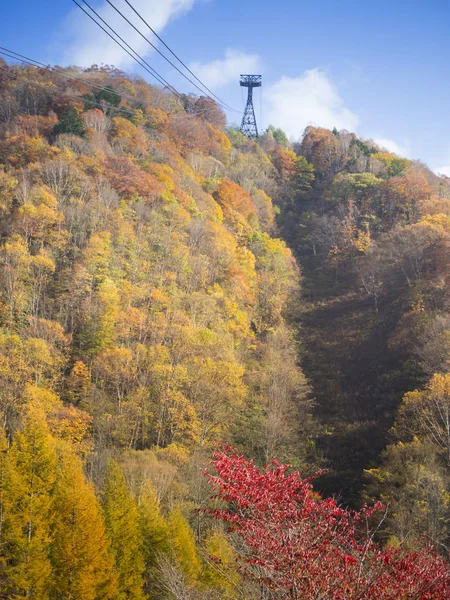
380,69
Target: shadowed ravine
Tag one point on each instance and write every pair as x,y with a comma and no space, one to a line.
357,384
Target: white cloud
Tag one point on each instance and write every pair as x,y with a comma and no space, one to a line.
86,44
443,171
219,73
293,103
392,146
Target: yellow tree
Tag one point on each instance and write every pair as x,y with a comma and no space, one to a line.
7,187
174,418
108,300
78,384
97,256
83,565
414,481
127,137
14,279
426,414
4,461
183,545
116,371
219,571
28,511
156,537
124,533
39,220
218,392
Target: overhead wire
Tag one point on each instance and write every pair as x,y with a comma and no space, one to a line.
160,53
12,75
60,72
176,56
55,70
141,61
133,54
184,99
146,39
138,58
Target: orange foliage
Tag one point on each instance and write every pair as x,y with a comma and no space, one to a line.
285,162
231,196
33,125
157,118
129,137
190,134
21,150
209,111
405,195
321,147
72,424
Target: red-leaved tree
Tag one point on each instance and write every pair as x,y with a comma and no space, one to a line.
298,545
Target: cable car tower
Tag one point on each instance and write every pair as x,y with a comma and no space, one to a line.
248,125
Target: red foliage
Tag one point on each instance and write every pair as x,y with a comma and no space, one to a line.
301,546
130,181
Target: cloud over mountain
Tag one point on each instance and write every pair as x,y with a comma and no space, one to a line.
87,44
220,72
293,103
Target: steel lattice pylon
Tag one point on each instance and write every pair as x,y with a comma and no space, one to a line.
248,125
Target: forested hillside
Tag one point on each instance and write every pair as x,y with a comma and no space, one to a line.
142,301
372,235
151,307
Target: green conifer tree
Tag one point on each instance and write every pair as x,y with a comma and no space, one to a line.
109,95
69,122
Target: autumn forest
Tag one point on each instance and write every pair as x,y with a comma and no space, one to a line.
224,363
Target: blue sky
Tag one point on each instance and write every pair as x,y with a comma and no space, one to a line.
380,68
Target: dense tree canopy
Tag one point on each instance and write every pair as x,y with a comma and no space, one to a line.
160,280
